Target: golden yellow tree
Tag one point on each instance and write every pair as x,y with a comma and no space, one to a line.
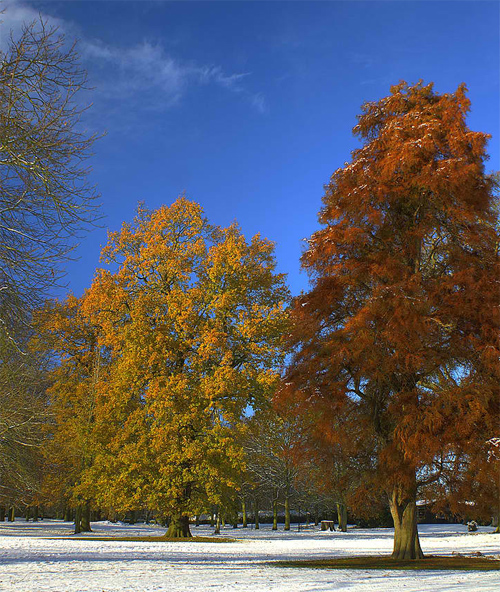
192,317
70,338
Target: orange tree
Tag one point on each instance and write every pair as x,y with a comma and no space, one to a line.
78,364
399,329
191,317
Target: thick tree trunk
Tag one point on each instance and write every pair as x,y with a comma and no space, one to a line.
244,513
85,518
342,516
2,513
35,514
404,514
68,514
287,511
275,513
179,527
11,517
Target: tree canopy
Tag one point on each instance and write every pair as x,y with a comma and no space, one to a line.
45,203
188,321
45,197
400,326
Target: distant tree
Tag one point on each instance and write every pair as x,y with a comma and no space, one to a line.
45,198
469,483
271,443
45,201
24,414
404,291
78,366
192,317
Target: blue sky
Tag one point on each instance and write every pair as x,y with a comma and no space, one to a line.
248,107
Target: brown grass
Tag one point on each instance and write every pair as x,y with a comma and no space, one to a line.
431,562
153,539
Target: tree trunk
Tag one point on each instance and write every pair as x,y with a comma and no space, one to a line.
256,511
68,514
497,529
275,513
342,516
28,514
35,514
316,515
244,513
2,513
112,516
11,517
404,514
179,527
217,524
287,511
85,518
78,520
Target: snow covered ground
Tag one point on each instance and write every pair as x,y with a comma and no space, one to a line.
34,558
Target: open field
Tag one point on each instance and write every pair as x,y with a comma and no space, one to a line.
44,557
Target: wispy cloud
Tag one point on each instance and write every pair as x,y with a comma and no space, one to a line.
259,102
15,14
147,70
144,73
363,60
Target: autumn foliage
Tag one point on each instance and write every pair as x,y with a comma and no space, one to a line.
392,388
185,328
398,333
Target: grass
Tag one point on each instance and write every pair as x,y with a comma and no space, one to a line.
431,562
152,539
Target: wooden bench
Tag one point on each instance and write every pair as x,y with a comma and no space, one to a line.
327,524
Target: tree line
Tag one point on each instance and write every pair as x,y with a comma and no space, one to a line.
187,380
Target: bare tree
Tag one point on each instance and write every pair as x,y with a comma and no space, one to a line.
270,446
46,202
45,197
23,416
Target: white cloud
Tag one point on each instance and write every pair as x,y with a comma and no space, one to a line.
143,73
259,102
15,14
143,69
147,69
